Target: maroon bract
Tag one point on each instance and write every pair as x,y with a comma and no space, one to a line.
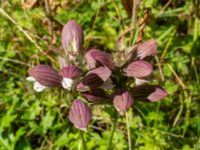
139,69
94,79
72,38
45,75
80,114
148,48
149,93
122,100
96,58
96,96
103,72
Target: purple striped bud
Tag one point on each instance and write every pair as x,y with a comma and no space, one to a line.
96,96
70,74
70,71
72,38
139,69
44,76
122,100
94,79
148,48
149,93
80,115
97,58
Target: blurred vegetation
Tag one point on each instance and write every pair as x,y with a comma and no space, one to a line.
31,29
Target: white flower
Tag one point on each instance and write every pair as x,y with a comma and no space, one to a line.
67,83
36,85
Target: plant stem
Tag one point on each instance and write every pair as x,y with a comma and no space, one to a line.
112,133
128,131
83,140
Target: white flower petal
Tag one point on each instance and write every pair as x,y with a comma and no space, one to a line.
140,81
31,79
38,87
67,83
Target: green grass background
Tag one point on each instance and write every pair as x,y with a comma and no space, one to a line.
30,120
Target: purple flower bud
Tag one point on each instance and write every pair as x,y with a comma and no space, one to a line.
122,100
97,58
103,72
72,37
70,71
149,93
94,79
139,69
45,75
148,48
80,114
70,74
96,96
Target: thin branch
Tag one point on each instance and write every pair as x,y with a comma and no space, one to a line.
128,132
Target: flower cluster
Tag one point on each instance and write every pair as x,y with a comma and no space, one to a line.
103,82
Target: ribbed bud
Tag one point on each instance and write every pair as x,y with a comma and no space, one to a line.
148,48
70,74
80,114
94,79
72,38
139,69
97,58
149,93
45,75
122,100
70,71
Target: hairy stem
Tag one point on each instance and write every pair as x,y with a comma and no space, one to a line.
112,133
128,132
83,140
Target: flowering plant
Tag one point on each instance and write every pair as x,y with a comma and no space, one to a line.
104,82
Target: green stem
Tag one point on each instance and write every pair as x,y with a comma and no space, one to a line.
112,133
128,131
83,140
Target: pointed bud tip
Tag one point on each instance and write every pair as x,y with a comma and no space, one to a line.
80,114
148,48
96,57
122,100
139,69
72,38
158,94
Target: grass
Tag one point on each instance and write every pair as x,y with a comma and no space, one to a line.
28,35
